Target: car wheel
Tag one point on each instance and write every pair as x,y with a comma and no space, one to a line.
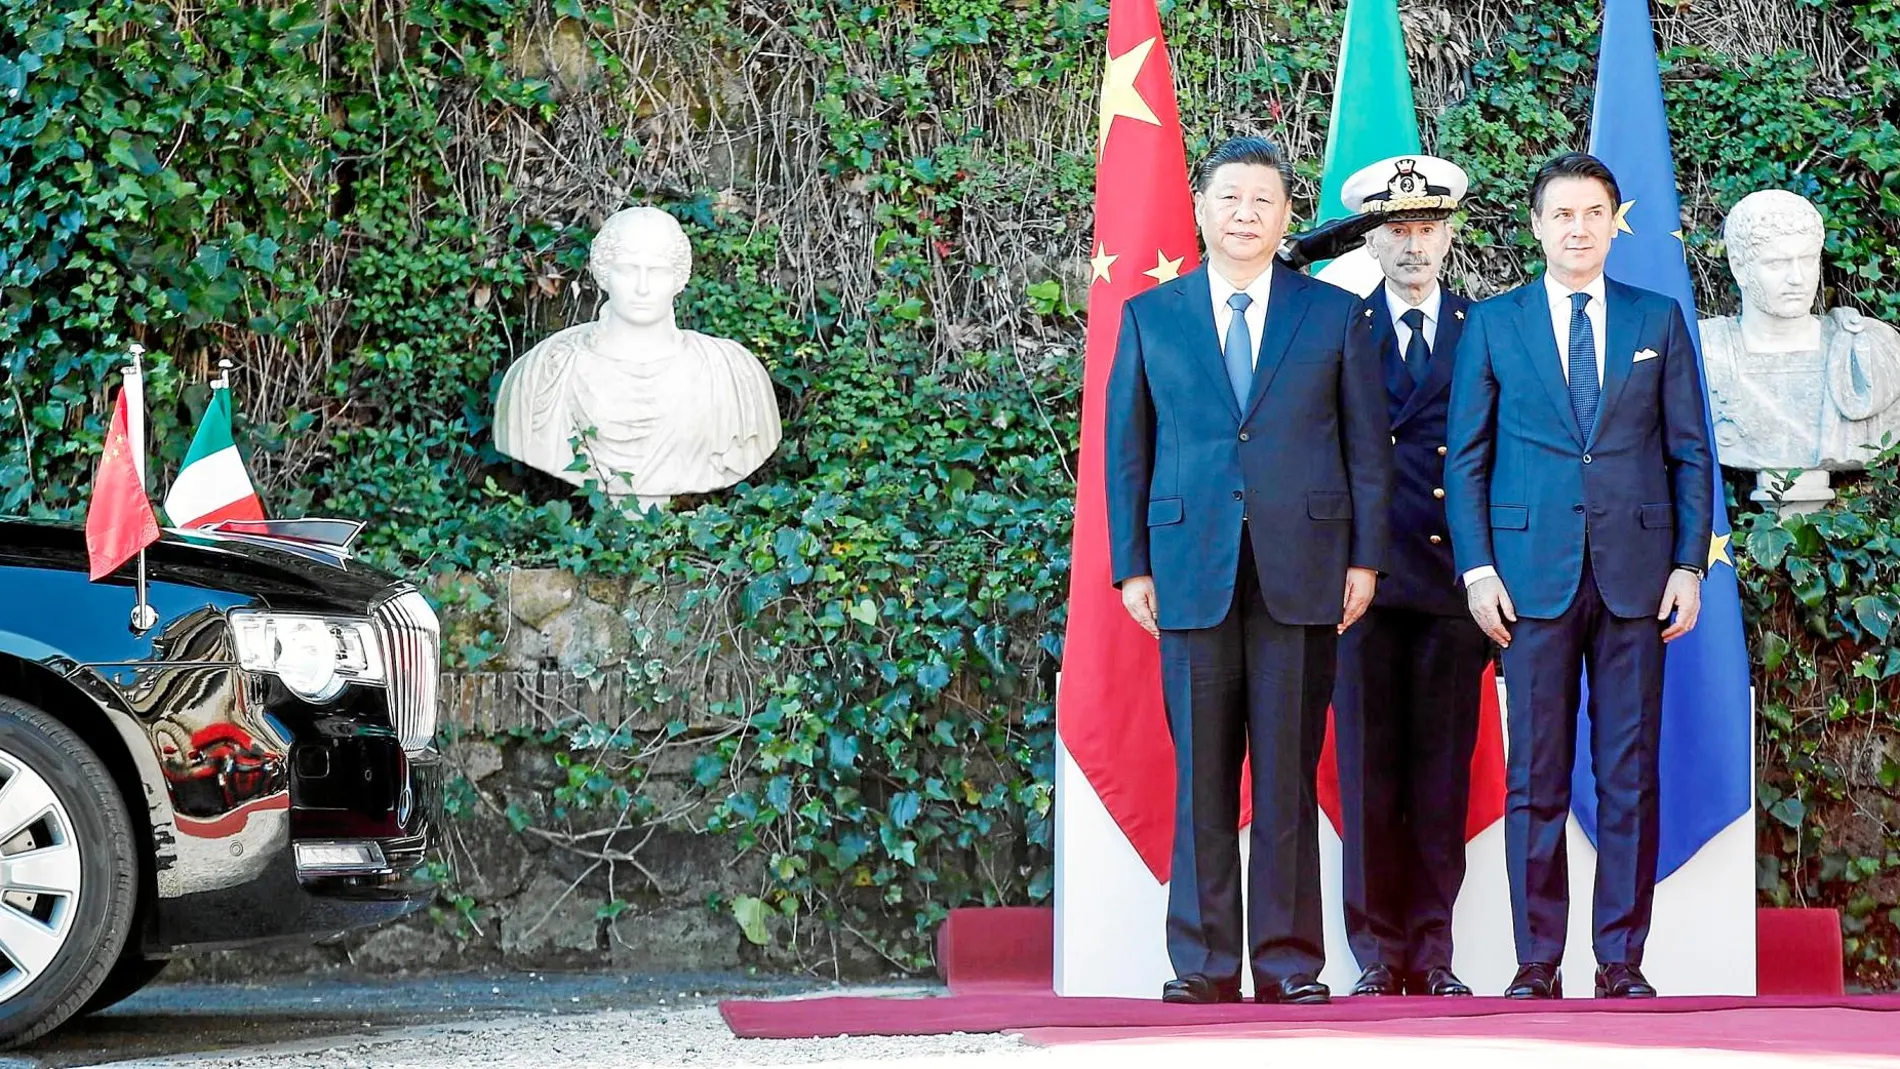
127,978
68,873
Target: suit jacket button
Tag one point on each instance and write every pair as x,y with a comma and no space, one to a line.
1238,495
1577,509
1243,436
1441,450
1436,540
1586,458
1395,439
1438,492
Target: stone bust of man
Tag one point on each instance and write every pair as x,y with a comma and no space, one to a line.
1791,389
659,411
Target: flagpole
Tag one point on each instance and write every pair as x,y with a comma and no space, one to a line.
143,615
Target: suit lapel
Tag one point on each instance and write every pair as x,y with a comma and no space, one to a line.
1195,304
1286,307
1621,326
1540,348
1451,310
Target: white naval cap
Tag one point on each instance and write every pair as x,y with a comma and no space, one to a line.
1413,186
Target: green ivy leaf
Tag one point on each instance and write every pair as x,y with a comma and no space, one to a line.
904,808
1789,811
1877,614
1767,545
751,912
1774,649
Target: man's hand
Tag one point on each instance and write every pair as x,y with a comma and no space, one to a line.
1683,596
1138,597
1491,606
1360,584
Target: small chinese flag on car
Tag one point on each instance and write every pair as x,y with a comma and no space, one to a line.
213,485
119,520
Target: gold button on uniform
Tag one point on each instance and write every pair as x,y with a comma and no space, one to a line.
1436,540
1395,439
1438,492
1441,450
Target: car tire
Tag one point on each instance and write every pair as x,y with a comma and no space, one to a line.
130,976
88,912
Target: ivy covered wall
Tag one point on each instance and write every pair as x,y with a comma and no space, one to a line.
372,206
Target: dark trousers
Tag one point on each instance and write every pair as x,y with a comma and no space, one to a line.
1542,669
1246,687
1405,713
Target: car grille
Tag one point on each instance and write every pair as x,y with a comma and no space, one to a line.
411,639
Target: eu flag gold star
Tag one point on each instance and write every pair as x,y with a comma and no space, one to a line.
1165,270
1718,551
1101,262
1623,217
1119,95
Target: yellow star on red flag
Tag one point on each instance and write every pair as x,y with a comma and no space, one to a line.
1165,270
1100,263
1119,95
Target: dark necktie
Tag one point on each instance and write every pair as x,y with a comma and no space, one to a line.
1418,355
1584,387
1239,349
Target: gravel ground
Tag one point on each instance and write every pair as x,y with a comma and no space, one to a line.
662,1036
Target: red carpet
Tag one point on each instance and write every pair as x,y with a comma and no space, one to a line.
821,1017
1826,1030
997,964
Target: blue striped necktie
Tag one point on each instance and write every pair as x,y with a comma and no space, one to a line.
1239,349
1584,387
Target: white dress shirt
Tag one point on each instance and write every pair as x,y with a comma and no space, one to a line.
1431,307
1256,313
1558,296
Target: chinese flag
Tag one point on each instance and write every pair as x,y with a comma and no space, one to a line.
1109,710
119,520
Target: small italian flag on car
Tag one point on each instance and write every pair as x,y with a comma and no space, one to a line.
213,485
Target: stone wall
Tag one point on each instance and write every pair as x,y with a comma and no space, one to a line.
527,886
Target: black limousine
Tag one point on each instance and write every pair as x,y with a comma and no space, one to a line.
257,765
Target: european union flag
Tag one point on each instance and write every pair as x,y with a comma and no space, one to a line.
1706,758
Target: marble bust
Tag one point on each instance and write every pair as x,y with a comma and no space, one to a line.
657,410
1790,389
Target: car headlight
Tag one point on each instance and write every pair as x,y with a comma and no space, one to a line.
314,656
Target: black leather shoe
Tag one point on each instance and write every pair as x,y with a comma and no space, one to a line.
1376,980
1617,980
1196,989
1299,989
1438,981
1539,979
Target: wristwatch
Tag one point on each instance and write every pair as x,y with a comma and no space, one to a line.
1692,570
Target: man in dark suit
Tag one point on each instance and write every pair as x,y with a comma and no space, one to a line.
1247,469
1579,502
1406,702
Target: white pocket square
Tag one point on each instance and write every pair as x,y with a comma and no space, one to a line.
1644,354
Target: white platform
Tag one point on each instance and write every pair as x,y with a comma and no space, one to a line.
1110,910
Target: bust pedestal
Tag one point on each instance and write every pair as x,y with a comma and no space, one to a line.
1809,491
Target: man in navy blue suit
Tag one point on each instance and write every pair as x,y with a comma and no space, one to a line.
1406,702
1578,487
1247,470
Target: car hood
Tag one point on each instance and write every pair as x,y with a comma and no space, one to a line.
231,563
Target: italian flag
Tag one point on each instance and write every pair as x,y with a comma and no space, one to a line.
1373,118
213,484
